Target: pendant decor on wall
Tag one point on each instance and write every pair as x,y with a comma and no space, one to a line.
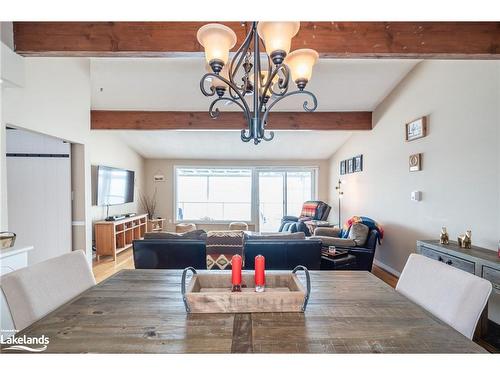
415,162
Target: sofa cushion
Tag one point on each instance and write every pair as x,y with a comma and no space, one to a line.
328,231
277,236
359,233
221,246
335,241
198,234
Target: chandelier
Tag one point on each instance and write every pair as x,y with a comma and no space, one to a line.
232,81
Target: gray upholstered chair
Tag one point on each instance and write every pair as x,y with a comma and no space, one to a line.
238,225
184,227
452,295
37,290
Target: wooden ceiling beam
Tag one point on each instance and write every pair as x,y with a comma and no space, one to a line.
175,120
420,40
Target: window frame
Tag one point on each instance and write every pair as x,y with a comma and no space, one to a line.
254,199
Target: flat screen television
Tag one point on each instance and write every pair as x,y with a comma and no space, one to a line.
114,186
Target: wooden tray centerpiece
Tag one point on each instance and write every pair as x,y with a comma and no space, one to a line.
211,292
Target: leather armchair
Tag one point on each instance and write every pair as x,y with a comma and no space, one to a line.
311,210
364,252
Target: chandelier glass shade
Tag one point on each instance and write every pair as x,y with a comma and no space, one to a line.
233,80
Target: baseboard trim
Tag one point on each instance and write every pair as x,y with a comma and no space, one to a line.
386,268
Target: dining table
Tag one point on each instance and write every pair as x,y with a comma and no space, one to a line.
142,311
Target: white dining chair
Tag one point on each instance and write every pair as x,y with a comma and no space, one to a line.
454,296
35,291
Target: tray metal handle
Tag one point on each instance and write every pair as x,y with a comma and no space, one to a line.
308,284
183,286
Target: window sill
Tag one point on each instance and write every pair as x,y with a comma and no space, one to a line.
212,222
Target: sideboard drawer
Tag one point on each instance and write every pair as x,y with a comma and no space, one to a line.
492,275
451,260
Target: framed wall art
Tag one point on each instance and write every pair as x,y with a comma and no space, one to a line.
358,163
416,129
350,165
342,167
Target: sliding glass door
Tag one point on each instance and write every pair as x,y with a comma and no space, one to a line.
271,199
282,192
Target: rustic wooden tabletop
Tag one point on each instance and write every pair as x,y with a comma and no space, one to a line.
141,311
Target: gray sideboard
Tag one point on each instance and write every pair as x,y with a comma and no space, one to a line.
478,261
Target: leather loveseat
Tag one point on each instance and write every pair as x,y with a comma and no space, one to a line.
281,253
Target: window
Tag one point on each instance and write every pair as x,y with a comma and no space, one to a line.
211,195
260,195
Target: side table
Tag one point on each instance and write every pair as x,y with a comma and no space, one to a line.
347,262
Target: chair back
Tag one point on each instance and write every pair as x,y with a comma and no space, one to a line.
452,295
37,290
316,210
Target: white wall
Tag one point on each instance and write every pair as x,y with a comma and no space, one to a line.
106,149
461,167
55,100
165,190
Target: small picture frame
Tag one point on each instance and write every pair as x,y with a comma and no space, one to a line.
415,162
342,167
416,129
350,165
358,163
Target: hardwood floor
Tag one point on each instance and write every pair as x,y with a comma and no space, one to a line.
385,276
106,268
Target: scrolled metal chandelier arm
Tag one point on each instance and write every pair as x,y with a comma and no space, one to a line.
202,85
240,56
297,92
282,83
239,96
214,113
267,87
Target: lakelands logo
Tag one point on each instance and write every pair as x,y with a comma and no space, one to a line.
25,343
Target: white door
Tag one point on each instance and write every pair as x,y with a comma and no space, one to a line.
39,193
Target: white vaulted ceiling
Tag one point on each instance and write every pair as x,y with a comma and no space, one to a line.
172,84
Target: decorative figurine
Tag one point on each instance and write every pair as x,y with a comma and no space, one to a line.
444,239
465,240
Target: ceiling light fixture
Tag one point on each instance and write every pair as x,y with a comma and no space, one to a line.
232,80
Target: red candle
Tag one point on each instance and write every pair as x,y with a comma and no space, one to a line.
236,262
260,277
